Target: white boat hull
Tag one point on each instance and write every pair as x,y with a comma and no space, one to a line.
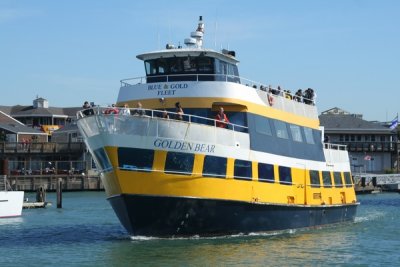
11,203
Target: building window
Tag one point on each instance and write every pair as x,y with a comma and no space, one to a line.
314,179
135,159
347,179
214,166
337,177
285,175
326,178
296,133
242,170
281,130
179,163
266,173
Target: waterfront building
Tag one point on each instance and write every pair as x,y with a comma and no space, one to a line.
372,146
41,116
27,146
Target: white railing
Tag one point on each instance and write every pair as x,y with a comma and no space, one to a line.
152,113
277,91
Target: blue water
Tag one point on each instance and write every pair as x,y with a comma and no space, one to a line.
86,232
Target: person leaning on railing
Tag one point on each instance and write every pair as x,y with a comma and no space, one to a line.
88,110
125,110
221,118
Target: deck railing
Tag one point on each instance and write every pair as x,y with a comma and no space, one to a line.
41,147
218,78
158,114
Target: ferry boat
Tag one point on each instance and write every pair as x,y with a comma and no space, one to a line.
171,168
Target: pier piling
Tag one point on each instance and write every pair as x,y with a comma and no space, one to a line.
59,193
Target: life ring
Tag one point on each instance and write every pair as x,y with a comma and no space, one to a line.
270,99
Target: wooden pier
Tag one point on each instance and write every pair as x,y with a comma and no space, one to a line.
373,183
74,182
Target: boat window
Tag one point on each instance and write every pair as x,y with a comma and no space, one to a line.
326,178
175,65
285,175
337,177
162,66
102,159
347,179
281,130
214,166
135,159
296,133
309,135
189,64
314,179
151,67
266,173
179,163
242,170
205,65
263,125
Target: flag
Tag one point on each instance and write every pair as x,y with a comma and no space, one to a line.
394,123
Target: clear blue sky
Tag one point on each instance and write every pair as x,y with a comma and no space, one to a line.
71,51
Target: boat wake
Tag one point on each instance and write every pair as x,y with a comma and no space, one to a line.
195,237
369,217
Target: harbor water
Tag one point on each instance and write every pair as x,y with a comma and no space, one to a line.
86,232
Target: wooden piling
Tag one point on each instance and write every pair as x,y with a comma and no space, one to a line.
59,193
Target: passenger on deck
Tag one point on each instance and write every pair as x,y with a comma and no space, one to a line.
179,111
139,111
125,110
111,110
164,114
88,109
299,96
221,118
309,96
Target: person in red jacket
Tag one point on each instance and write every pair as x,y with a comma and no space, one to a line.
221,118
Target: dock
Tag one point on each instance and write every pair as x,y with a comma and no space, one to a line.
35,205
366,183
74,182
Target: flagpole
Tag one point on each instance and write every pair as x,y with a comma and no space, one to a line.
397,144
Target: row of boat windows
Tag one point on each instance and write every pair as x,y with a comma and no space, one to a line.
182,164
281,130
187,64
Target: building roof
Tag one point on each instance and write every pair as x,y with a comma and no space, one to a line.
5,118
19,128
69,127
31,111
350,123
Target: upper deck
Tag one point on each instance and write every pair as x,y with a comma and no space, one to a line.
238,89
204,78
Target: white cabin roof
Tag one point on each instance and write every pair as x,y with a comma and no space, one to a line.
193,52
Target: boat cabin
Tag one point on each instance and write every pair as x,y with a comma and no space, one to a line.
174,65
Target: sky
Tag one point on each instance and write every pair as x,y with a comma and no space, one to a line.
68,52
